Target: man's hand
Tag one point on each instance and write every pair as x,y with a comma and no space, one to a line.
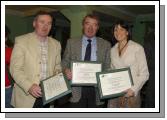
68,73
35,91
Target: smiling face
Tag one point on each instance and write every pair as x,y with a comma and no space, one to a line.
42,25
120,33
90,27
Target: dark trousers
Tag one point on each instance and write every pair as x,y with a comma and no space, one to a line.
39,104
148,92
88,99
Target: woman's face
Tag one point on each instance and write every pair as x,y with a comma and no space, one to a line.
120,33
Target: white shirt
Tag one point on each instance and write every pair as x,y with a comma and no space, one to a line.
93,47
133,57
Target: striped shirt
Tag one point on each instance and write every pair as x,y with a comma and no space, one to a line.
44,59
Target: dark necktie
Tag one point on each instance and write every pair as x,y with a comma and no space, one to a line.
88,51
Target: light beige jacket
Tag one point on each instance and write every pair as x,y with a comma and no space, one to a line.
25,66
134,57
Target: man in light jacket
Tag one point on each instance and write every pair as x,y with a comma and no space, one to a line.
35,57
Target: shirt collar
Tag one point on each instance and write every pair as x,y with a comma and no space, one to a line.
41,40
84,39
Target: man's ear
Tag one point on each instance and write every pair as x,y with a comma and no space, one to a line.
97,27
127,33
34,23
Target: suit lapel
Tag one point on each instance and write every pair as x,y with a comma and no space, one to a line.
34,47
79,49
98,53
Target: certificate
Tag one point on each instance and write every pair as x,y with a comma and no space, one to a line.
84,73
54,87
113,83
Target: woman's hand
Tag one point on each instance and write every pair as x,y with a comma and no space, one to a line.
129,93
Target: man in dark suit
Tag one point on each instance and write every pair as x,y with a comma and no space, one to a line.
76,50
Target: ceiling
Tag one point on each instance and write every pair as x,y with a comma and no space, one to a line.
128,12
25,8
136,9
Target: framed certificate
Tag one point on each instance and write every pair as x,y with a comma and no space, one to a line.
112,83
84,73
54,87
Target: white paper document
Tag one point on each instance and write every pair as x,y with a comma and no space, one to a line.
54,86
85,73
114,83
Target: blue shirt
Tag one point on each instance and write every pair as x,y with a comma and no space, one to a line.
93,47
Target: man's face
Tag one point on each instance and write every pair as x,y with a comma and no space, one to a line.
42,25
90,27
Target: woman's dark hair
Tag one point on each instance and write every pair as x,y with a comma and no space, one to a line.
124,25
9,43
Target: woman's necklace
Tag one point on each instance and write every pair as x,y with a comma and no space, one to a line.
120,50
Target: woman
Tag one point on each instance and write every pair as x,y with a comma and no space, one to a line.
127,53
8,79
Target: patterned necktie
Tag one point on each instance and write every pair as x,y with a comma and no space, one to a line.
88,51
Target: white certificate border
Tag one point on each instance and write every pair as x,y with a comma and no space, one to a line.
157,55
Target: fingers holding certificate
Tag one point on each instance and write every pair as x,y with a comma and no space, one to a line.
54,87
84,73
112,84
